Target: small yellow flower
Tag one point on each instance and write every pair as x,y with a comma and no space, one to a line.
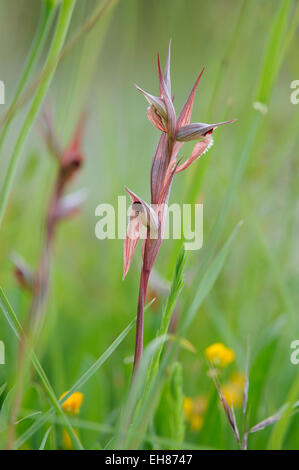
193,409
188,407
73,403
196,422
219,354
232,394
66,440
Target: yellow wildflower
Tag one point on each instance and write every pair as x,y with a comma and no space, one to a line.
193,409
73,403
188,407
196,422
66,440
219,354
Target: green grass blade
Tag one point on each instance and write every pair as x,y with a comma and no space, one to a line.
273,58
132,424
225,60
46,17
100,361
57,44
45,438
208,281
9,314
175,290
281,427
151,396
51,65
268,75
17,328
2,388
108,429
200,170
77,385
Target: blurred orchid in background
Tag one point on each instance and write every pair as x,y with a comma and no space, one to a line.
61,207
69,161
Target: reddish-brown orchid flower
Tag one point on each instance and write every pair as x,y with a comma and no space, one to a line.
175,130
61,206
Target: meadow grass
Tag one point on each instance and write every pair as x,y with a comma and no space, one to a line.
240,289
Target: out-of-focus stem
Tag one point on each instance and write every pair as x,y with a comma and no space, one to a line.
35,316
58,41
34,320
43,271
45,21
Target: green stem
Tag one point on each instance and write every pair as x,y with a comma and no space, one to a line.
46,17
18,331
57,44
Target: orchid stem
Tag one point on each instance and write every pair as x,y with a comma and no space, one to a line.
140,319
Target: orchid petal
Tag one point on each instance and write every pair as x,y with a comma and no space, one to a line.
131,241
148,216
171,170
154,101
48,131
197,130
155,118
69,205
72,157
23,273
166,97
143,214
159,167
77,139
199,149
185,114
166,76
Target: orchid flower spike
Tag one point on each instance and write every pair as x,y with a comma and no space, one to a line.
175,130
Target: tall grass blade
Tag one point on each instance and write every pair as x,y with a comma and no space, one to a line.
51,65
175,290
57,44
208,281
280,429
45,21
45,438
17,328
273,58
77,385
268,75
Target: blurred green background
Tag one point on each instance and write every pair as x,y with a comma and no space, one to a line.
255,298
